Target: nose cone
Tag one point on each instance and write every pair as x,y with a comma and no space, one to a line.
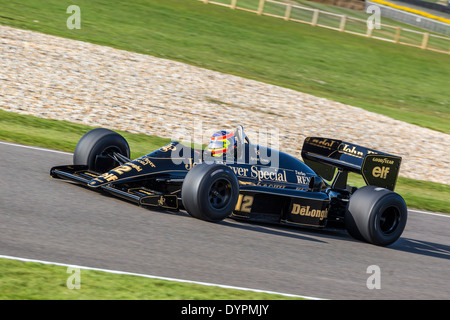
108,177
97,182
128,170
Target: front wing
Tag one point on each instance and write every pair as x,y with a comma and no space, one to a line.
140,196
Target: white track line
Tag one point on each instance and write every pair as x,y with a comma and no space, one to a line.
157,277
430,213
34,148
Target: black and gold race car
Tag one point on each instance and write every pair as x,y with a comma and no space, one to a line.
251,183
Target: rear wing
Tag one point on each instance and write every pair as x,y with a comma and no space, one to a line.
325,155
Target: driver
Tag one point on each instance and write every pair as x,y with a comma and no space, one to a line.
222,142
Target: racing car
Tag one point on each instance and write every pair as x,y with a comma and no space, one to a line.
234,178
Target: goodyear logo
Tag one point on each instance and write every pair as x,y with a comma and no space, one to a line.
308,212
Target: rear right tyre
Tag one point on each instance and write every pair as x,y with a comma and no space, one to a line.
376,215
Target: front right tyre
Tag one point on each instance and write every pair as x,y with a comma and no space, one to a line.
95,148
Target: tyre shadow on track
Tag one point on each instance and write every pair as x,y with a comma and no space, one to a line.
425,248
324,236
300,233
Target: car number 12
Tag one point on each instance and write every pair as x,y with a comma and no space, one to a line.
244,203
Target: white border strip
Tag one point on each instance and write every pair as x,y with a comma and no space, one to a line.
158,278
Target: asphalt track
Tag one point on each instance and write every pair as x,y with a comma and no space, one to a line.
53,220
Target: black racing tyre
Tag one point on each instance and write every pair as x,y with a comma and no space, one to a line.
93,149
210,192
376,215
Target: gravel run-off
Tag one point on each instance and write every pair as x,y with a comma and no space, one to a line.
57,78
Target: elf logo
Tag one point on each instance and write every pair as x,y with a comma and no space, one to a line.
380,172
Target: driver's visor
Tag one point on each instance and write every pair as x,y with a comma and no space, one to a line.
218,144
218,147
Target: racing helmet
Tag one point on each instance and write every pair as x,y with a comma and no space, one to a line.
221,143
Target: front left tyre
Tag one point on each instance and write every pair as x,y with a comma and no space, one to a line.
210,192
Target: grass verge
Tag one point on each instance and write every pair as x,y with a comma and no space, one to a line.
35,281
405,83
63,135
